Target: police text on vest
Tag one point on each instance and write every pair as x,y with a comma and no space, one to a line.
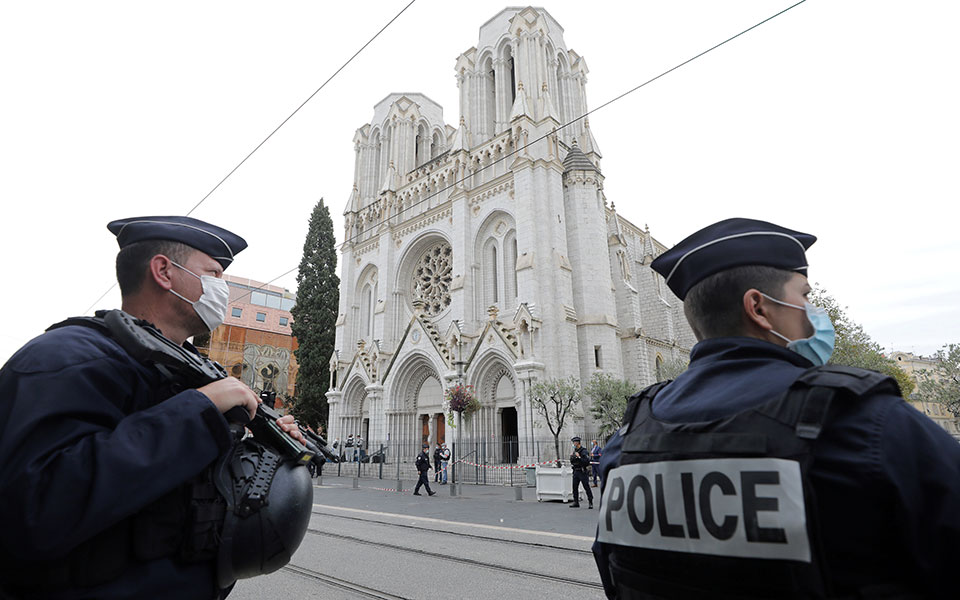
747,507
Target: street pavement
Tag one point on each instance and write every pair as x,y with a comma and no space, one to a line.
482,543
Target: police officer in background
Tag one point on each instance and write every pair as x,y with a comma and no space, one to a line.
759,472
423,465
97,452
580,461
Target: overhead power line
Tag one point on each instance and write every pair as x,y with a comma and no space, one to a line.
568,123
284,122
310,97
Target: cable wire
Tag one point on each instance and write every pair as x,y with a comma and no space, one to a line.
329,79
567,124
301,106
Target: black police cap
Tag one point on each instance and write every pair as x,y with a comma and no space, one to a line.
216,242
728,244
575,438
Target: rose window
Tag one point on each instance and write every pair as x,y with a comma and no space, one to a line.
431,278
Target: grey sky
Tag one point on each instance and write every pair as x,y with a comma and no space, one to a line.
838,118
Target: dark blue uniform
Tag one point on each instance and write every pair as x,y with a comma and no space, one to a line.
89,437
886,478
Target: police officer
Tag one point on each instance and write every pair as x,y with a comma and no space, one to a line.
97,452
423,465
760,473
580,461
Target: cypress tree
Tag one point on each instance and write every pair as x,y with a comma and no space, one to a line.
315,316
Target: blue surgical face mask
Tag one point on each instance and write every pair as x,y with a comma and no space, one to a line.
818,347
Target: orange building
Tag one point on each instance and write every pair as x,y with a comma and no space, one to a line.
255,343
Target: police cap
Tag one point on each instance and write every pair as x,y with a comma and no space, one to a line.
426,445
728,244
575,438
216,242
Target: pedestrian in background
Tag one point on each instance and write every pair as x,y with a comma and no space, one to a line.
436,464
595,453
423,465
444,462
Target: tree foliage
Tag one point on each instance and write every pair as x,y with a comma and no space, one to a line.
854,347
557,400
942,383
671,369
315,317
609,400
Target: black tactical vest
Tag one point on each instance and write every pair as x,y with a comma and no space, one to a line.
724,509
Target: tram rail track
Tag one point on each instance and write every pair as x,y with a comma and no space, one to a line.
499,540
466,561
342,584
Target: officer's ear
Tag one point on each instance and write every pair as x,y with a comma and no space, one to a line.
755,312
159,270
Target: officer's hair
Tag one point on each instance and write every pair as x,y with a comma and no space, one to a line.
714,306
132,261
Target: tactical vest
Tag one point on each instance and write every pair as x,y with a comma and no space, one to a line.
246,513
724,509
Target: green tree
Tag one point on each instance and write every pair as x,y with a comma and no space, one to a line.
671,369
854,347
609,400
942,384
315,317
557,400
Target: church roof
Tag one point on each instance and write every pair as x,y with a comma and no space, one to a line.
577,160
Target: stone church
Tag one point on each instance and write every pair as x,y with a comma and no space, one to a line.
488,254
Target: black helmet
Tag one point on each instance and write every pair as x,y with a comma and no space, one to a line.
269,500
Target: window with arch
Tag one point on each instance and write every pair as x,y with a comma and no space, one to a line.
510,269
367,299
659,368
491,284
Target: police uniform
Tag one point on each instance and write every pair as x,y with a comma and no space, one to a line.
94,450
423,465
580,461
740,475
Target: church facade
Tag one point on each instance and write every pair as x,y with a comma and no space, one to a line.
488,254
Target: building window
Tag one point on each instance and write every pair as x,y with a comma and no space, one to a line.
283,321
236,312
261,317
597,357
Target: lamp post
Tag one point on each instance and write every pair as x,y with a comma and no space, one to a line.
459,365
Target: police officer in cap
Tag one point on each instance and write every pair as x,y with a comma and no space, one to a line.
580,461
762,471
97,451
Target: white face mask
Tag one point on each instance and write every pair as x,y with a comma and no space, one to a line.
211,307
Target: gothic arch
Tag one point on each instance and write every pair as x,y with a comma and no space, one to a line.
412,379
354,398
495,249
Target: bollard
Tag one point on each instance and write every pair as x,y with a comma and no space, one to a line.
356,483
453,490
399,485
518,491
320,480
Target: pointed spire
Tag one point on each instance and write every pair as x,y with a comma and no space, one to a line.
389,182
648,250
460,138
589,142
520,108
577,160
547,110
352,202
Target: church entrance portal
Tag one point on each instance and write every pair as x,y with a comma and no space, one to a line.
511,440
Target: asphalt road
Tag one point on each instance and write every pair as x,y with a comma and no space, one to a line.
376,543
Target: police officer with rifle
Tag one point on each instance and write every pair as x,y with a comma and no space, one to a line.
762,471
125,471
580,461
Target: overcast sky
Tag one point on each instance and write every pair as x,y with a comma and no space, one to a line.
838,118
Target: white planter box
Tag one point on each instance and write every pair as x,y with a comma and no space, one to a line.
555,483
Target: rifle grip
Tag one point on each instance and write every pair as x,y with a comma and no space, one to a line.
237,414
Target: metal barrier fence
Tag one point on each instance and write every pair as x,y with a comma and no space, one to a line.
501,461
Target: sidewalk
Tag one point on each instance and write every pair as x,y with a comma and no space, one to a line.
478,504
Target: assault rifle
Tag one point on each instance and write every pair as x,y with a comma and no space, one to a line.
146,344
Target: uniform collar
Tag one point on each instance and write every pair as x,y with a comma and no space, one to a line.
742,348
